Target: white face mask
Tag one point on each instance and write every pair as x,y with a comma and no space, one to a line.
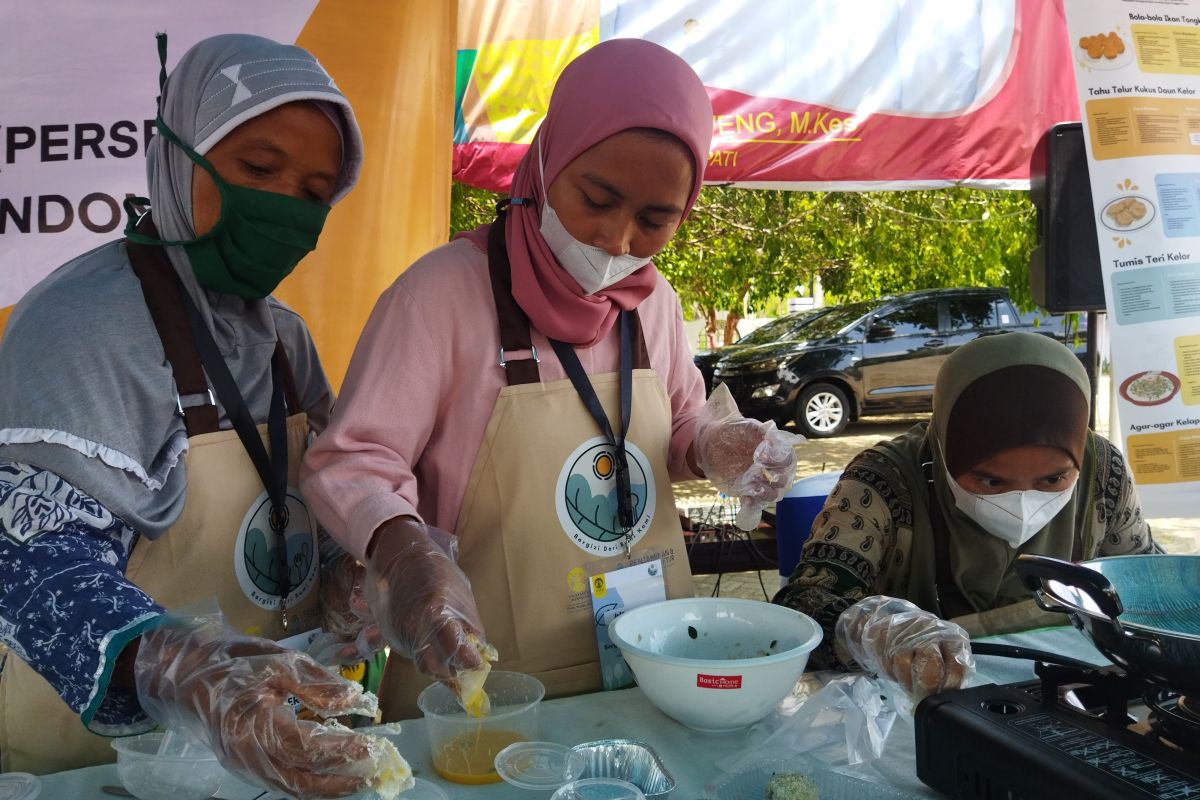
1012,516
591,267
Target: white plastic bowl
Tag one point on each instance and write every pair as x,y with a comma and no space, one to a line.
716,664
149,776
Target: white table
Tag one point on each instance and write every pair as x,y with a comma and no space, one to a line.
688,755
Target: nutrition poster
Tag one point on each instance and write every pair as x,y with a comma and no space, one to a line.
1137,70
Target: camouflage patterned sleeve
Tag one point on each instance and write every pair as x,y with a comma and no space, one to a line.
1118,514
855,537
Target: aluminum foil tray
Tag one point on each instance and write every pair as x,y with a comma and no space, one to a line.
626,759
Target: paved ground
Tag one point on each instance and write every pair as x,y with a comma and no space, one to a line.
699,498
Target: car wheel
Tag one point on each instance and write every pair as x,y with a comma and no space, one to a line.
822,411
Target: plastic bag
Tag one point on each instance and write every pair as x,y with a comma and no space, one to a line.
846,722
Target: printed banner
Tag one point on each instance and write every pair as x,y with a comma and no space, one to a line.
1137,65
79,79
824,94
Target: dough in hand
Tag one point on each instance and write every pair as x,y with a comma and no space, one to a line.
470,683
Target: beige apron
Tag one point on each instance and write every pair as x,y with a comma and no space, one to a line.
528,574
221,547
214,550
524,530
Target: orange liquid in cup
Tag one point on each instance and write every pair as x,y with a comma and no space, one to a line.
470,756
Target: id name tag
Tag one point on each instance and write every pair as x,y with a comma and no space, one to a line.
614,593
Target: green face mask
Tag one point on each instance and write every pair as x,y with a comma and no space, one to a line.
256,243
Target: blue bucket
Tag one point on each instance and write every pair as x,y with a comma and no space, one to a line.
794,515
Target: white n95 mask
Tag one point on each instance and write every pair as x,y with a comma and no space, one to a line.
1012,516
591,267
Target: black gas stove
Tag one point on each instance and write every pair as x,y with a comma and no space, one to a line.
1072,733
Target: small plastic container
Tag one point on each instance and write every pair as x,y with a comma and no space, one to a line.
150,776
598,789
464,748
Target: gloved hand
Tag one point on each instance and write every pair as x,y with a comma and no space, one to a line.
900,642
744,458
422,600
350,633
229,692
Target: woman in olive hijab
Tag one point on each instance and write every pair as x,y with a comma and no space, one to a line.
937,516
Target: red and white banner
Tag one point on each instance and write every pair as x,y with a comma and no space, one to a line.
824,94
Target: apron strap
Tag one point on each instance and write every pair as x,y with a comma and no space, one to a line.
641,356
514,323
161,288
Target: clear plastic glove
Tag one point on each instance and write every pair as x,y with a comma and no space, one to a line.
902,643
423,601
744,458
229,692
350,633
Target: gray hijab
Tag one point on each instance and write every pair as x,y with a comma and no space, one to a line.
85,391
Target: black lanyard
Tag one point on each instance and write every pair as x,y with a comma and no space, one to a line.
272,468
574,370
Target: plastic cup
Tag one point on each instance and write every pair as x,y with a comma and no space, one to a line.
150,776
464,748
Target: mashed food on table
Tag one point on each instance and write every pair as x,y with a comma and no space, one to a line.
1126,212
791,786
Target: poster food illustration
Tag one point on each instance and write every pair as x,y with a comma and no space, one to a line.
1137,69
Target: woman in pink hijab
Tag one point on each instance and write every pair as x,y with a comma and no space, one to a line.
522,398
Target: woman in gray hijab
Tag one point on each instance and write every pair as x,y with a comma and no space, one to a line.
154,405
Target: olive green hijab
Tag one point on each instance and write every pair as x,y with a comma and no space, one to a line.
980,562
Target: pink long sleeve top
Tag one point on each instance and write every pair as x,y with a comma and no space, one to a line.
421,386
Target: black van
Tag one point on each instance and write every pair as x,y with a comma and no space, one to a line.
872,357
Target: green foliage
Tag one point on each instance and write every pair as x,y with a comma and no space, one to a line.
471,207
747,249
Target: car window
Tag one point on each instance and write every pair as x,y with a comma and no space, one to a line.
971,313
1059,324
1006,315
784,329
918,319
835,320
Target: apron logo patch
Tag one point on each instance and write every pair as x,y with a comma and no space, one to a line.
585,497
256,553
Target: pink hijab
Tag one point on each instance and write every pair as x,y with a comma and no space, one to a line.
616,85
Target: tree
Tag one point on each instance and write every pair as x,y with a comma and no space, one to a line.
741,248
878,243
